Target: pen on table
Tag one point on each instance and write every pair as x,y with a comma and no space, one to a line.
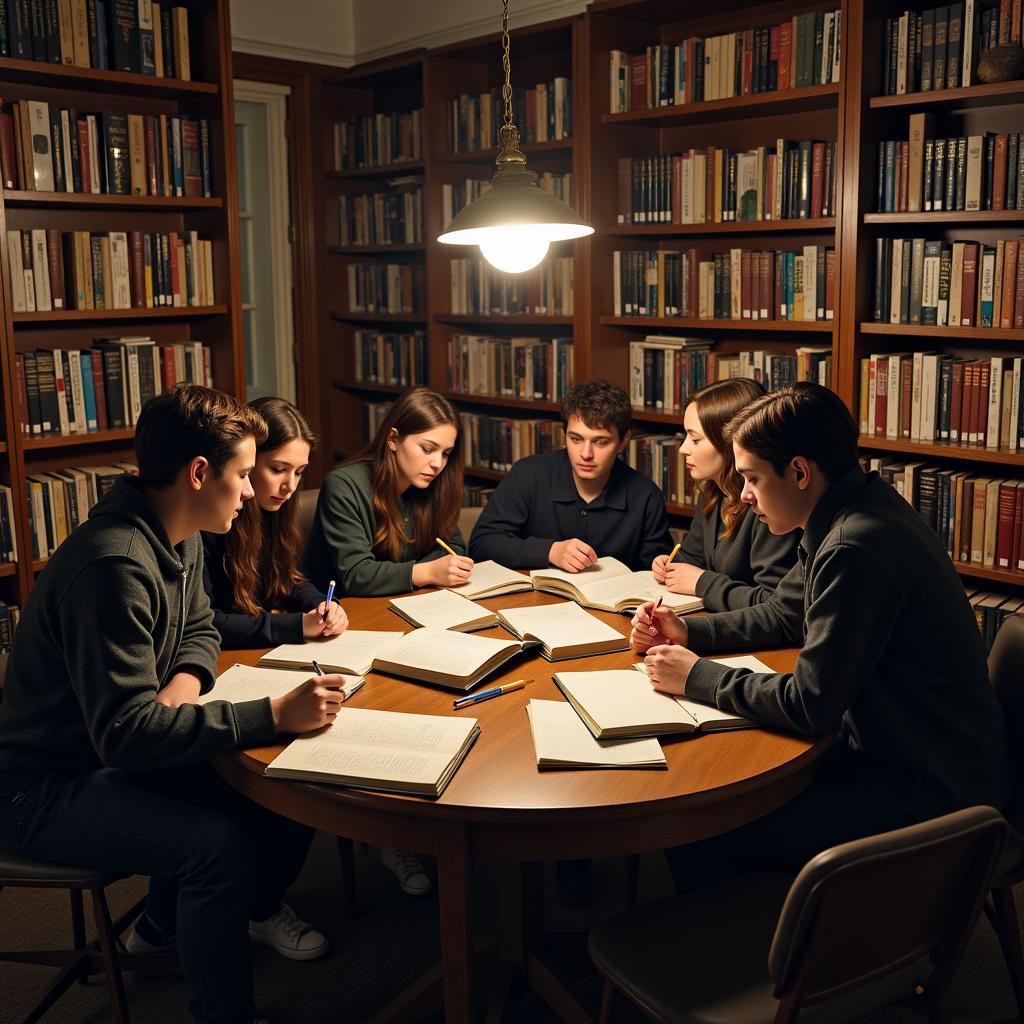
675,551
446,547
476,698
330,597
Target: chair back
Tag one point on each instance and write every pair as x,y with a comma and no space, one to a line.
467,520
859,913
1006,671
305,511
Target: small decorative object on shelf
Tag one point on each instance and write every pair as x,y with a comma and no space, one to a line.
1001,64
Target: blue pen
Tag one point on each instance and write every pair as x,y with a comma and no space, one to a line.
476,698
328,599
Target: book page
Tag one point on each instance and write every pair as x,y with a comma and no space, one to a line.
560,625
489,575
602,569
352,651
242,682
453,654
638,587
621,698
440,610
559,735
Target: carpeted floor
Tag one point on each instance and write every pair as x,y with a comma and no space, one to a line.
376,956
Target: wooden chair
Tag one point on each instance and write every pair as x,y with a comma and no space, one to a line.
864,924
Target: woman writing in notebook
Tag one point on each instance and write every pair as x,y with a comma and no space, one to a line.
259,596
729,558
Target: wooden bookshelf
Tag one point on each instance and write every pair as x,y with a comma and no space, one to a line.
208,95
746,227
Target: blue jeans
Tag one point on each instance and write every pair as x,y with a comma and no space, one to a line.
215,859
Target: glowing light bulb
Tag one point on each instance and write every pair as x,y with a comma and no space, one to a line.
514,250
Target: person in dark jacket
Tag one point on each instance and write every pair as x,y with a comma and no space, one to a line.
251,574
103,746
729,558
891,660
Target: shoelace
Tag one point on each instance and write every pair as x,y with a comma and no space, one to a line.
286,920
408,863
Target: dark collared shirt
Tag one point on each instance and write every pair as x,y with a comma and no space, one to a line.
537,504
891,655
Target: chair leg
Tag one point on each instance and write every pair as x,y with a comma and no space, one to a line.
348,875
607,1002
1008,931
78,928
632,880
108,951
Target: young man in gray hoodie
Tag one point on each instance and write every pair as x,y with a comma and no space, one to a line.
103,748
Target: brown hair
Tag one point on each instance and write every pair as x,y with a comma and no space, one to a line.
800,419
187,421
262,551
434,510
599,403
716,405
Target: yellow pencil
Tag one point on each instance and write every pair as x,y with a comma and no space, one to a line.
675,551
445,546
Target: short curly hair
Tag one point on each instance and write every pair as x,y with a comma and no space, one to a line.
599,403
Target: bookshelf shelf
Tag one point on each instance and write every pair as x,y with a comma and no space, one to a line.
746,227
91,80
690,323
671,419
8,569
551,148
987,572
947,333
940,450
680,510
524,320
503,401
77,440
107,315
992,95
3,447
385,318
947,217
766,104
485,474
378,389
378,170
39,564
86,200
374,250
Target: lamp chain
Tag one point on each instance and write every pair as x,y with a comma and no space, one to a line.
506,92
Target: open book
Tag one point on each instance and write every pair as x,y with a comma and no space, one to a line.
244,682
489,579
388,750
564,630
353,652
442,609
621,703
561,740
610,586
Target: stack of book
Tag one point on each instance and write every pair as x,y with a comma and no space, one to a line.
141,36
386,288
378,139
496,442
59,501
51,149
657,457
55,270
714,185
531,368
927,396
542,113
72,391
949,284
802,51
381,218
478,288
391,358
740,284
8,535
455,197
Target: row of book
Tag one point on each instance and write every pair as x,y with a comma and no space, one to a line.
391,358
10,616
140,36
740,284
958,284
664,371
967,172
54,270
720,185
801,51
940,48
378,139
386,288
381,218
928,396
8,534
991,610
475,495
540,369
496,442
542,113
460,194
60,500
57,149
658,457
81,391
476,287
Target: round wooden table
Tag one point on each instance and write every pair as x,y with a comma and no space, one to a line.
499,806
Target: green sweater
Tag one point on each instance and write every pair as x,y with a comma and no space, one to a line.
341,540
114,615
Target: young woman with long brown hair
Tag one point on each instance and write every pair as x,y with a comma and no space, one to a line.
251,574
729,558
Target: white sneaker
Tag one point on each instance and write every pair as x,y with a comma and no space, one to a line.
135,943
406,867
291,937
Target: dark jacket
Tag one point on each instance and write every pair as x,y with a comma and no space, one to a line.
740,570
890,655
341,540
240,629
537,504
114,615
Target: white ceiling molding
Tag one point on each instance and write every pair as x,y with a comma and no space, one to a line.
300,53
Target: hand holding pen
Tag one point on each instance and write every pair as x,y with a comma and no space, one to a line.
327,619
452,571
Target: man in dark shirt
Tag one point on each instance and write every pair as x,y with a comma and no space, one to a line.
570,507
891,659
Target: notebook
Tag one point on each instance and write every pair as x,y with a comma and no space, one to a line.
351,652
621,703
489,579
442,609
561,740
245,682
388,750
564,630
610,586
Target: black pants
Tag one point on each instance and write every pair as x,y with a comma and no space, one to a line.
215,859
